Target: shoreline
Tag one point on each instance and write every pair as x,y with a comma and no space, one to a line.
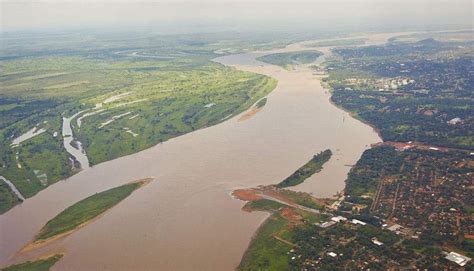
37,244
167,174
249,198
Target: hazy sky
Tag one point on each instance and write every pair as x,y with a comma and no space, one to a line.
34,14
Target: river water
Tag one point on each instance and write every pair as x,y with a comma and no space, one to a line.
186,219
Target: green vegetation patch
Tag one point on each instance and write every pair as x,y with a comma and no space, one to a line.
38,265
374,164
85,210
288,60
261,103
264,205
265,251
8,199
307,170
303,199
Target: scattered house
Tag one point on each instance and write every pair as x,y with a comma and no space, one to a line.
376,242
332,254
461,260
55,134
358,222
338,219
394,228
209,105
454,121
399,146
434,149
327,224
358,207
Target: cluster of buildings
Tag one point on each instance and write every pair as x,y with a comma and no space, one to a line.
427,196
382,84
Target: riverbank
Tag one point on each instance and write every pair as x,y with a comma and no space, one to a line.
195,173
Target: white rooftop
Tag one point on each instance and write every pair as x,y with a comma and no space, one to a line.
338,218
457,258
376,242
327,224
356,221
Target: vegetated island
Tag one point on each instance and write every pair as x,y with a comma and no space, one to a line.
83,212
41,264
290,59
307,170
341,42
254,110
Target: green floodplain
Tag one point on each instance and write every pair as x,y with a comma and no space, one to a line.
147,92
37,265
289,60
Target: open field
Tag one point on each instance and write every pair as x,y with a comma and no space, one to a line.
270,247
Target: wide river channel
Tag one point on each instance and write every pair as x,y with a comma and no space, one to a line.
186,218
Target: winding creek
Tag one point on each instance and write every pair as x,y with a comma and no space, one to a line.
186,219
78,153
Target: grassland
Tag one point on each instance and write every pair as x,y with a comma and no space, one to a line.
265,252
172,87
305,199
272,242
289,60
85,210
264,205
38,265
307,170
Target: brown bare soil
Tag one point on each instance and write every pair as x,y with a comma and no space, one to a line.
291,215
250,113
279,196
246,194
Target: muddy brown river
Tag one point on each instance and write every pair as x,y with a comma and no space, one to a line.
186,219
